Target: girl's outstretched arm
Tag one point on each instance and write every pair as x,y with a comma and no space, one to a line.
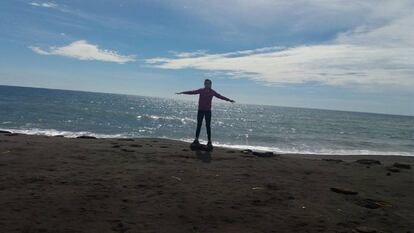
195,92
223,97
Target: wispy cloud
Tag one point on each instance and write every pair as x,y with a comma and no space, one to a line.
83,50
291,21
364,57
44,4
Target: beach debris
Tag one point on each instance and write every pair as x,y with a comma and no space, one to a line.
247,151
364,229
86,137
393,169
333,160
176,178
126,150
373,204
368,161
402,165
4,131
343,191
257,188
264,154
6,152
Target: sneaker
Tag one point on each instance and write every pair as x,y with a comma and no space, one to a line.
209,145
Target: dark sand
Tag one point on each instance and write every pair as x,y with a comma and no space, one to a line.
52,184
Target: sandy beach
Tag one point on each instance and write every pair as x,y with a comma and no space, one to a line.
56,184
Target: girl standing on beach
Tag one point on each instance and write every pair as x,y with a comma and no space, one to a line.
206,95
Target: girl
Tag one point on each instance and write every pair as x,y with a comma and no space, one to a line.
204,108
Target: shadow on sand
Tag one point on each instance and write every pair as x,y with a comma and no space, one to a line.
204,156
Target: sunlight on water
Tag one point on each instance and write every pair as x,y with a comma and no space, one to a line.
279,129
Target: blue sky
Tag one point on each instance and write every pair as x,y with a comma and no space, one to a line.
353,55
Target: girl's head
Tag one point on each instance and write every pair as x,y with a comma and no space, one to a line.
207,83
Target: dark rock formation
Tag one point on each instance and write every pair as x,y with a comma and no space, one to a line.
86,137
264,154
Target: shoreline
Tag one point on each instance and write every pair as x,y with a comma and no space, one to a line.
56,184
228,146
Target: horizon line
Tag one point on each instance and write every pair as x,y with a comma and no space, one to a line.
269,105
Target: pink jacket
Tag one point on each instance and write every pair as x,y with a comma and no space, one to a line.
206,95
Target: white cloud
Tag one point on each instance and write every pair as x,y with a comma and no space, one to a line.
82,50
190,54
44,4
377,53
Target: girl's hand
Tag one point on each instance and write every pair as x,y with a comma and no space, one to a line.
232,101
178,93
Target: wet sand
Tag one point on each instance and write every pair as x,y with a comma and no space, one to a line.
56,184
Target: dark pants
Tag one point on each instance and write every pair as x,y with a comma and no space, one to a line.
200,115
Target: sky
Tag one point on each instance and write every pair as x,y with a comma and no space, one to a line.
354,55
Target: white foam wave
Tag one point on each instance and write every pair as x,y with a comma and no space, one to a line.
71,134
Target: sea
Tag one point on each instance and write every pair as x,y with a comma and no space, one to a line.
268,128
